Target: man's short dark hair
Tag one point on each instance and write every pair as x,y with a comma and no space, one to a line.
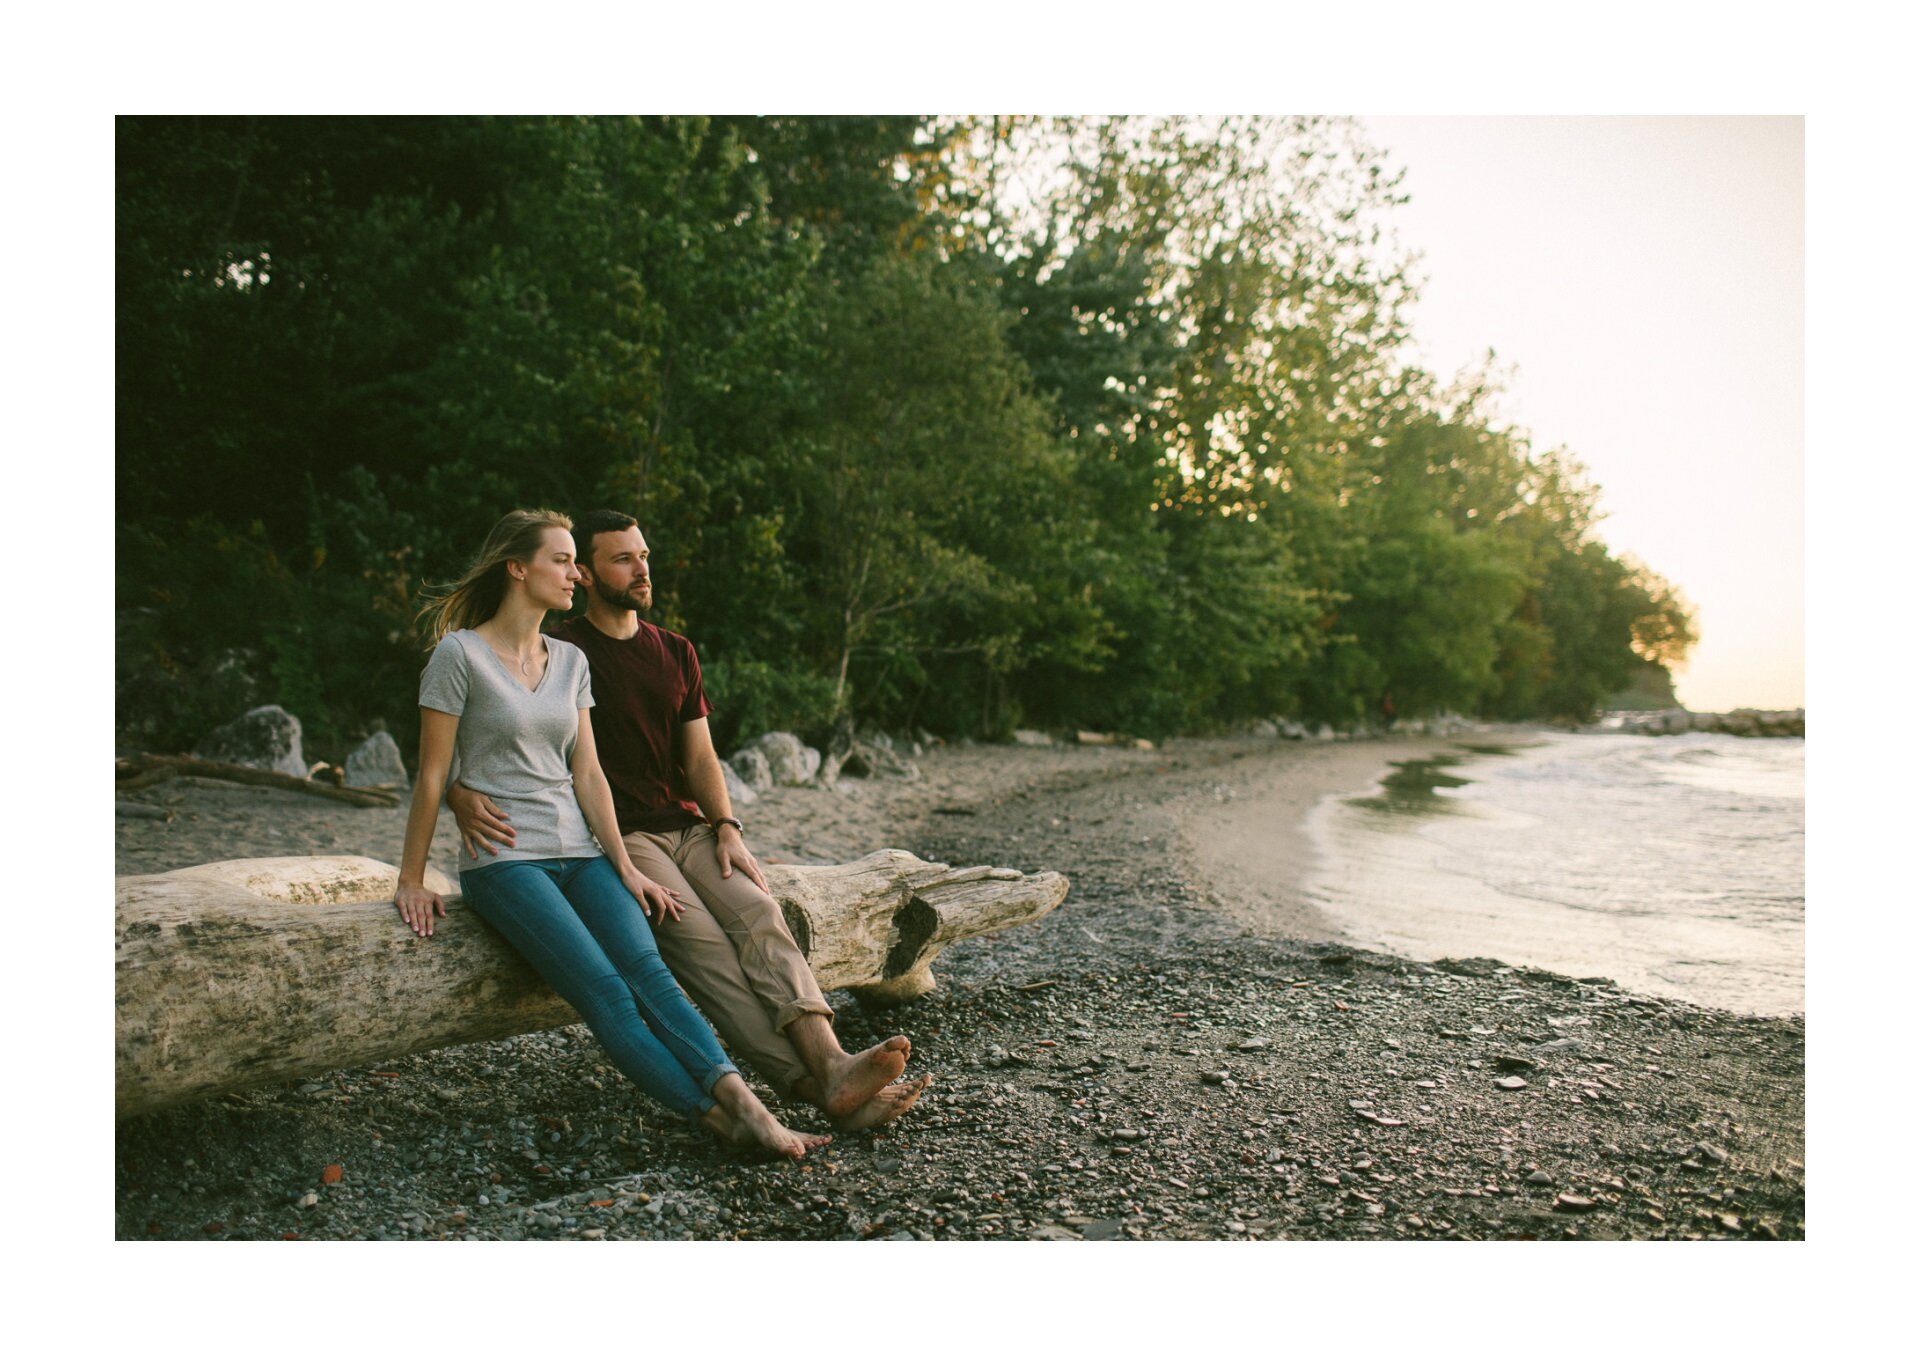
591,524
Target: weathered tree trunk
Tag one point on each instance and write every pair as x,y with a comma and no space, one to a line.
148,769
236,974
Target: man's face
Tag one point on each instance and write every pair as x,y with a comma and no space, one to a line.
616,564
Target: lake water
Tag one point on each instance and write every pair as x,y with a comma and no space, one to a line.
1673,865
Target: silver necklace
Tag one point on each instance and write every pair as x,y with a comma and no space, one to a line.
526,665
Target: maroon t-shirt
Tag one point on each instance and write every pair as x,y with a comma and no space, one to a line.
642,689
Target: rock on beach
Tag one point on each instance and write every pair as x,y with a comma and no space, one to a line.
789,762
376,763
267,737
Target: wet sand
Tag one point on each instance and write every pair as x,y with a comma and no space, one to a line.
1252,850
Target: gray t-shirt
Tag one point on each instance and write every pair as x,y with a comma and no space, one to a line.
515,745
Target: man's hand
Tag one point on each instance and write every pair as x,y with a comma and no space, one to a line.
479,821
731,849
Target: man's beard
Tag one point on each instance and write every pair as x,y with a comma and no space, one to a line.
622,598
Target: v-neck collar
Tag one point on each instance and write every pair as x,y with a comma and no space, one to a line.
546,647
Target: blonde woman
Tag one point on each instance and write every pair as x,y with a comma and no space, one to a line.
514,705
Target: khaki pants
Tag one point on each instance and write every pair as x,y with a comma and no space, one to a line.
731,951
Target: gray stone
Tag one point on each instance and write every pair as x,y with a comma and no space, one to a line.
266,736
750,765
1033,739
1538,1178
876,755
1048,1232
1512,1084
738,792
376,762
865,754
789,762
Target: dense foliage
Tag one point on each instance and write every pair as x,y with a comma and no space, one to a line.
957,423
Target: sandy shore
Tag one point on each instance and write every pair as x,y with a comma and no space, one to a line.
1164,1056
1250,849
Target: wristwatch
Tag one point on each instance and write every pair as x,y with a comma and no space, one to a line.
727,819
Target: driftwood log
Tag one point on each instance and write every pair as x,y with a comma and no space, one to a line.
237,974
149,769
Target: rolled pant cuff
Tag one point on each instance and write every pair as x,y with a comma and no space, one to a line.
801,1007
714,1075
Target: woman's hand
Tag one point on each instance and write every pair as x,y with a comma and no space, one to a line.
418,905
657,902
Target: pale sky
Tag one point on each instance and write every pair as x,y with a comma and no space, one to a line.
1644,276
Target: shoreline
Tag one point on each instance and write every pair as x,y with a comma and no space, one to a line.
1137,1064
1279,850
1256,852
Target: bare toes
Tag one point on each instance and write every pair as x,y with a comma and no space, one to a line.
889,1104
870,1071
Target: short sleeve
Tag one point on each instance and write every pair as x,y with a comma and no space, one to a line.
443,684
696,706
582,680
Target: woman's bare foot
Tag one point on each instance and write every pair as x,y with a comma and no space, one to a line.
759,1130
857,1079
890,1103
744,1122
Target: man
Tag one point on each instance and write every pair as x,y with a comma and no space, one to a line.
730,948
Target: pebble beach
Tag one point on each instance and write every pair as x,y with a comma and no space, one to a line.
1174,1053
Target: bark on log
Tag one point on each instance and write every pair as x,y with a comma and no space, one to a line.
237,974
134,774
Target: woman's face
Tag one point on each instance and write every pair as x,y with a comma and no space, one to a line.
551,574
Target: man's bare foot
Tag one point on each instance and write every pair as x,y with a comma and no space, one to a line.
890,1103
856,1078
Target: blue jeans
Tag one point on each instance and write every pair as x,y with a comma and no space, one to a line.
581,929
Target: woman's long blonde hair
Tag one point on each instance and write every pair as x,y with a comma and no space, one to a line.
481,590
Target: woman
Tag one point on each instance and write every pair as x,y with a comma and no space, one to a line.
514,705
